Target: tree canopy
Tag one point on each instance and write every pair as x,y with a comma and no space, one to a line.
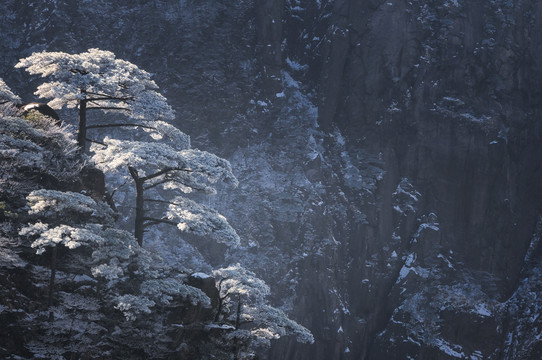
103,270
97,80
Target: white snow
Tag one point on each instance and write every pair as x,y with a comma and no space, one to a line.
403,273
79,278
409,339
473,118
481,309
450,349
294,65
453,100
200,275
440,256
219,326
339,138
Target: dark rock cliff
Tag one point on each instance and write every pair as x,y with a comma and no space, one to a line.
447,95
387,152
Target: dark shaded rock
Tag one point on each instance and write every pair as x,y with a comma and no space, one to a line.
206,284
43,109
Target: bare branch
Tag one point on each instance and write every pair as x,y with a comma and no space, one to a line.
158,183
157,174
160,201
107,108
95,141
154,221
108,97
117,125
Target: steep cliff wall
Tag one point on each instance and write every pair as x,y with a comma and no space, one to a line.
446,95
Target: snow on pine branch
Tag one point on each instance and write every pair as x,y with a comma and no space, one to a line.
262,321
120,253
116,257
41,131
164,289
97,77
39,144
236,280
275,323
133,305
188,167
69,236
21,152
161,130
53,203
6,95
201,220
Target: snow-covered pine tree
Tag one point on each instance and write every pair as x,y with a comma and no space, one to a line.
73,220
243,304
174,168
97,80
125,276
99,274
164,173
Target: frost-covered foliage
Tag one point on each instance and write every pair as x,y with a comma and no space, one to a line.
238,281
189,169
161,130
243,297
38,144
6,95
123,263
99,78
77,220
59,205
201,220
131,294
177,169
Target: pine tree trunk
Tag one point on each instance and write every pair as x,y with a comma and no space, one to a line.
237,325
82,132
52,283
238,315
220,301
140,212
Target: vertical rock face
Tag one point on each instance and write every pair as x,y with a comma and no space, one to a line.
269,35
388,153
447,95
449,92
